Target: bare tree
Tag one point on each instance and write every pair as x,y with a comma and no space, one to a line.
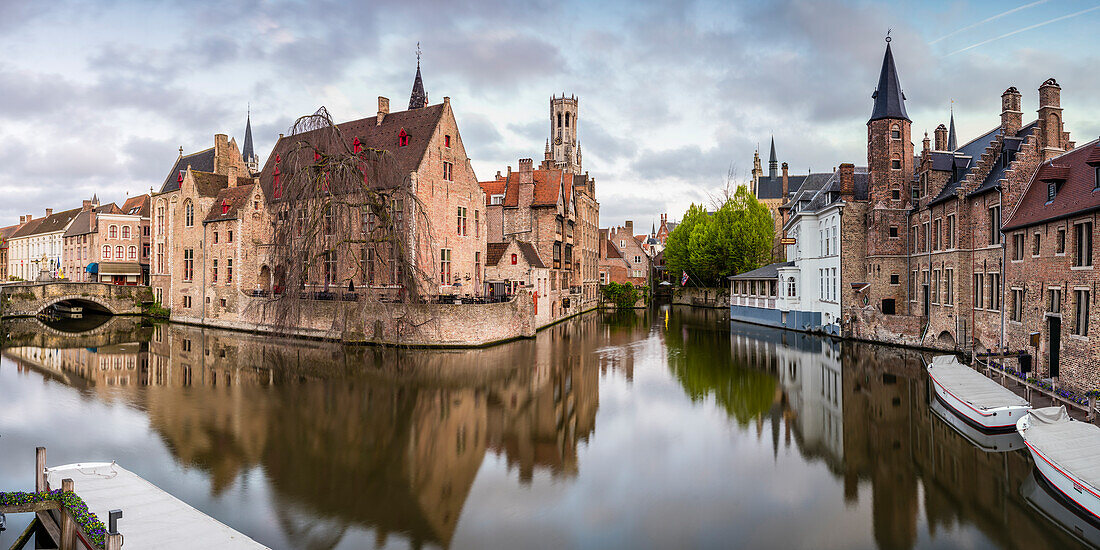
348,228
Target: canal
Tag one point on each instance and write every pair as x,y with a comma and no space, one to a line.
661,429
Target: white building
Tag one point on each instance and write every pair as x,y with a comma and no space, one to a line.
36,247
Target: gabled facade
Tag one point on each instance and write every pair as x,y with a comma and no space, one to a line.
35,249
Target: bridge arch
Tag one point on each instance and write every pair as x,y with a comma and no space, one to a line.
88,302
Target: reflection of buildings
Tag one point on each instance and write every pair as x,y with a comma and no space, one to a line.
385,439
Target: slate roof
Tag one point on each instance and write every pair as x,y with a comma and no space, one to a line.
772,188
889,99
671,226
82,223
967,156
1076,194
418,99
50,224
824,190
247,151
234,198
770,271
202,161
419,125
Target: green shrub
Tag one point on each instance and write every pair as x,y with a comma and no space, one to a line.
623,295
157,311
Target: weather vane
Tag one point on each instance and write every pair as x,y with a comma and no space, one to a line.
888,35
417,52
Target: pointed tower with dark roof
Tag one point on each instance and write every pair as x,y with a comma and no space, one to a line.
418,98
890,165
773,162
248,153
952,141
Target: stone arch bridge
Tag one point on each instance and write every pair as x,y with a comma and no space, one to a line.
30,299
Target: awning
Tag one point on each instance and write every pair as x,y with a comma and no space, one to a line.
92,268
119,268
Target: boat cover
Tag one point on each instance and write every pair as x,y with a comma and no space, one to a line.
972,386
1074,446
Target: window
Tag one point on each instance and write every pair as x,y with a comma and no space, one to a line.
229,236
515,259
188,264
187,304
1035,246
895,194
228,270
402,138
397,211
1052,190
214,272
893,231
979,294
895,132
106,252
791,288
994,300
1097,176
445,266
160,220
913,238
895,164
995,225
160,258
125,232
927,237
894,279
949,286
120,253
1054,300
131,252
330,267
1061,242
888,306
448,171
950,238
112,232
462,221
477,223
215,237
144,250
567,119
1081,313
188,214
1017,305
936,235
1083,235
1018,246
446,141
496,200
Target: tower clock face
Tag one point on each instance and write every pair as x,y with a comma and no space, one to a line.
557,140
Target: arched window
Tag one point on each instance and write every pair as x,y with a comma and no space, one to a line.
567,119
515,259
132,253
188,213
559,120
112,232
106,252
125,232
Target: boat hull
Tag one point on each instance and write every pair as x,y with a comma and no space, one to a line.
1072,489
996,420
987,441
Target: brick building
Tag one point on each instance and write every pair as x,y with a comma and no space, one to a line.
5,233
1050,282
108,244
622,259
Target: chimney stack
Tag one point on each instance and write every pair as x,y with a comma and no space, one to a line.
86,205
22,220
1012,117
847,180
1050,119
231,177
941,138
526,171
383,108
785,188
49,212
630,228
927,143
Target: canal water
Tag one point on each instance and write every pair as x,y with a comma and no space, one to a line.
669,428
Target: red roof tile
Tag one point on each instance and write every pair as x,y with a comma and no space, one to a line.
1076,195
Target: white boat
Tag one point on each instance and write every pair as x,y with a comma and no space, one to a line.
984,440
1053,506
1066,454
978,400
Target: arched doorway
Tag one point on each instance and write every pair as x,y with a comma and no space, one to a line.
945,340
264,282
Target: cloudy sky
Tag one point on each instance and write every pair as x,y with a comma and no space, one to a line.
97,97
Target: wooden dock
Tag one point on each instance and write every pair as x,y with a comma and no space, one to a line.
135,513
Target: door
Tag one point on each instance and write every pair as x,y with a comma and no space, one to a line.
927,293
1055,325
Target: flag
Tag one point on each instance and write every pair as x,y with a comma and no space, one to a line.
684,279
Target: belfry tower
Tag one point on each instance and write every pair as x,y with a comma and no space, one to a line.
565,150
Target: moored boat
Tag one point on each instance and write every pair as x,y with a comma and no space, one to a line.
979,401
984,440
1066,455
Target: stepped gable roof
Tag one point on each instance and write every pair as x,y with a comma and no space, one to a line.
965,158
227,204
1075,194
50,224
137,206
997,173
419,126
889,99
202,161
770,271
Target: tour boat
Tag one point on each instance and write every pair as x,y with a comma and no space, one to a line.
986,441
978,400
1065,453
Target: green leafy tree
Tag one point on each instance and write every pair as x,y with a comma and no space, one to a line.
736,238
677,247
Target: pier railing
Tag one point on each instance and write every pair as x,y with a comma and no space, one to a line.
1089,406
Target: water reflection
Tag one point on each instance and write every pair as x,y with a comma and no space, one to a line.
315,445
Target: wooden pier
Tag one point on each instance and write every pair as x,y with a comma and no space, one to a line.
133,512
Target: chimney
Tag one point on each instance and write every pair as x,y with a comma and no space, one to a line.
231,177
87,204
927,143
847,180
526,171
1050,119
49,212
941,138
1012,117
383,109
22,220
785,182
630,228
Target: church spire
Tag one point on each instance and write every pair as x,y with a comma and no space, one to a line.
418,98
248,153
773,162
889,99
952,142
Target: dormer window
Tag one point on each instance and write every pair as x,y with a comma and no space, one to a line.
496,199
356,146
402,138
225,207
278,187
1052,190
